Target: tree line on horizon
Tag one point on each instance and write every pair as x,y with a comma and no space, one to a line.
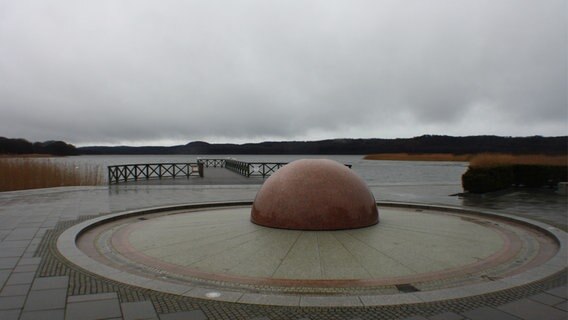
22,146
422,144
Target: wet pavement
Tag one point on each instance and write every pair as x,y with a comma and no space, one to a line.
37,283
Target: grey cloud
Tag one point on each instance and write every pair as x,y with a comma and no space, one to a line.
111,71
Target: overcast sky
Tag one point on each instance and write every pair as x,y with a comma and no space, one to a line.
168,72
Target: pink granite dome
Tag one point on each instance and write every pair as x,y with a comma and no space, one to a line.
314,194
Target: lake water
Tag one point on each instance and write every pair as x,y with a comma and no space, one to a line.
407,181
372,171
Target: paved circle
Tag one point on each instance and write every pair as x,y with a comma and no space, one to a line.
224,242
217,253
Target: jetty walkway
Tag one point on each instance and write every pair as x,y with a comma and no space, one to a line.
204,171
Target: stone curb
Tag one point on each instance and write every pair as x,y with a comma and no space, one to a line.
66,245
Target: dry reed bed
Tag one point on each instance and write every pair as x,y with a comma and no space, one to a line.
488,160
30,173
419,157
482,160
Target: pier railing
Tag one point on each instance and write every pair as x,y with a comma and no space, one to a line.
136,172
253,169
215,163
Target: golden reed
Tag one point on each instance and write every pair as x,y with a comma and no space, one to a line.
17,173
486,160
482,160
419,157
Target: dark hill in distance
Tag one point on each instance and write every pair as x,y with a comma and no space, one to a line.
422,144
22,146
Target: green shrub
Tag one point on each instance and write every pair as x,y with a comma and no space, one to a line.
479,180
487,179
539,175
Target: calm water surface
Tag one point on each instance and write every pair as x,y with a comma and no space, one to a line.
374,172
406,181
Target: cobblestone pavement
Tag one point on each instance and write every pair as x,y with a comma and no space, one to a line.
36,283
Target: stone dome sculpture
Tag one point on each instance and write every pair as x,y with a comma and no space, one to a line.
314,194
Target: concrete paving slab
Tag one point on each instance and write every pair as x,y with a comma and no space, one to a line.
46,299
562,306
221,295
389,299
58,314
530,310
9,314
142,310
30,251
303,260
439,295
92,310
50,283
446,316
8,263
12,252
27,268
185,315
22,234
4,275
29,261
14,244
547,299
14,302
561,292
92,297
20,278
15,290
336,261
29,225
487,313
4,234
172,288
268,299
329,301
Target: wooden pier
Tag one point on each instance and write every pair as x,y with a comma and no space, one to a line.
158,171
136,172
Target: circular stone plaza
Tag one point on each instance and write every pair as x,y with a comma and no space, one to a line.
309,242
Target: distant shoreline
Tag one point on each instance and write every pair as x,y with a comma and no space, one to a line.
419,157
28,156
477,160
426,144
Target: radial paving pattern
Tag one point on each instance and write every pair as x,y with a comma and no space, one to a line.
224,241
425,250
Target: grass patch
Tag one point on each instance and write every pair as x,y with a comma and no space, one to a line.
31,173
